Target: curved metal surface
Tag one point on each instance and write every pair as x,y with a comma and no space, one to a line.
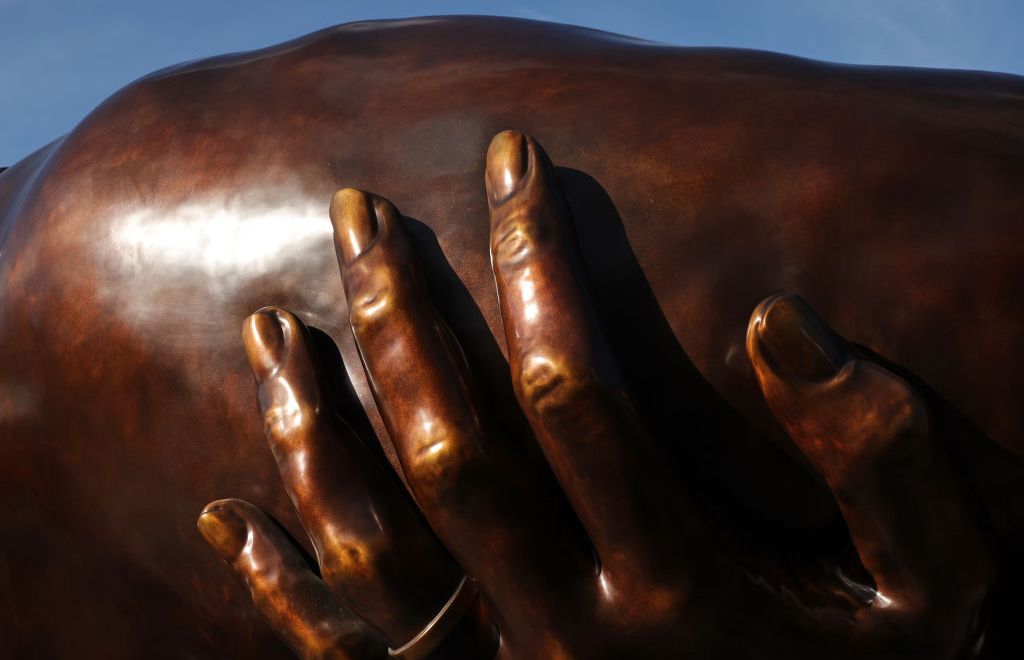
701,180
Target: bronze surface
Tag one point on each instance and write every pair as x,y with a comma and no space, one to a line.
700,181
631,563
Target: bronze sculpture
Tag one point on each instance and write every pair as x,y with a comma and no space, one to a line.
931,156
634,566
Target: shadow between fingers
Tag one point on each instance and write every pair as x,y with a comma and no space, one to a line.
716,452
343,396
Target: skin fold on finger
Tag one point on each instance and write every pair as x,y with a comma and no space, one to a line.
640,518
295,602
499,519
375,552
869,435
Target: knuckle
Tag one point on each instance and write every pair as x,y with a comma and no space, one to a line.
345,559
551,388
877,420
897,418
518,236
288,423
372,304
443,460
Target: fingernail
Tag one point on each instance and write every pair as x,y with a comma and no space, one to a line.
507,160
797,340
226,531
355,222
265,343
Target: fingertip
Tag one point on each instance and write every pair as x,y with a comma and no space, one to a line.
508,158
346,200
787,338
224,528
265,341
354,217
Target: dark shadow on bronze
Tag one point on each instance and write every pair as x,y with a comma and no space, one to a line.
992,478
714,449
343,395
463,316
457,307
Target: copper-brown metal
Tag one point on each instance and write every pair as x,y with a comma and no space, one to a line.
655,573
699,182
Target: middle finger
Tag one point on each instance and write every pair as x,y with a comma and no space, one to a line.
493,511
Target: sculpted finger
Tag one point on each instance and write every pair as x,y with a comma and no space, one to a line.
564,374
871,436
479,495
286,592
375,551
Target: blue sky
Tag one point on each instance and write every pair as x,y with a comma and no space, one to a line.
60,58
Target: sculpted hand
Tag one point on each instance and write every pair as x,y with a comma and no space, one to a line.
376,555
603,551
